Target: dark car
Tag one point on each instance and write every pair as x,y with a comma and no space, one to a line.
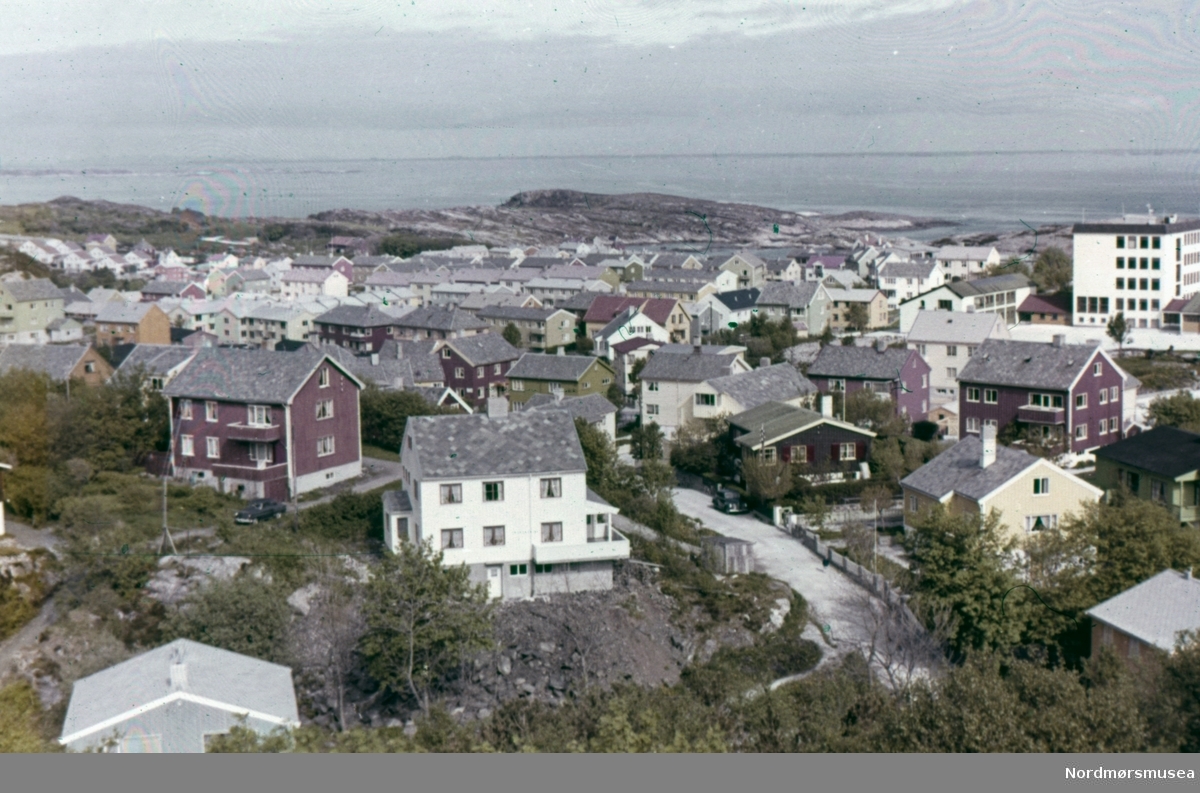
260,509
729,501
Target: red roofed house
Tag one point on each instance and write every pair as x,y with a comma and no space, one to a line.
667,312
1045,310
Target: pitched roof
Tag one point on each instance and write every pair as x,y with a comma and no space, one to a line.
484,348
387,370
55,360
689,367
780,382
397,501
868,363
680,287
591,407
529,314
1049,304
580,301
369,316
226,677
252,376
775,420
1156,610
916,268
604,307
439,319
1167,451
164,287
622,347
310,276
520,443
953,326
963,253
739,299
1027,364
33,289
987,286
853,295
156,358
557,368
782,293
957,470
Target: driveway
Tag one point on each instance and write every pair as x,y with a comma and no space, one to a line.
376,473
832,598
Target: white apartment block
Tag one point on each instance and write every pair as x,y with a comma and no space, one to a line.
506,495
1134,265
947,340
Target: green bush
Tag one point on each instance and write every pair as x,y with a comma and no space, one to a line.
244,615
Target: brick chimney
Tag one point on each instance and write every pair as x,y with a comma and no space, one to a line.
987,453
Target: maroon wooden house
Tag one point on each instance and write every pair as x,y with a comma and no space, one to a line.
1073,393
476,367
264,424
894,372
775,431
362,329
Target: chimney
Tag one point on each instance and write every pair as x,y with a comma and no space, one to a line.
178,677
561,351
374,359
987,454
497,407
399,350
880,345
827,405
1059,339
764,362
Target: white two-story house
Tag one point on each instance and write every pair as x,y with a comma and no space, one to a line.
506,495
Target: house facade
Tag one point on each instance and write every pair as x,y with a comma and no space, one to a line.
815,441
947,340
541,329
1149,618
265,424
807,305
903,280
477,367
873,301
893,373
132,323
27,308
1000,294
568,375
1160,465
671,380
966,261
1072,394
362,329
60,362
506,496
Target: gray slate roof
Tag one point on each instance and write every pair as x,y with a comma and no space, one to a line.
55,360
1166,451
515,313
1026,364
953,326
739,298
522,443
369,316
957,470
156,358
591,408
775,420
687,367
251,376
33,289
439,319
221,675
780,382
396,501
859,363
782,293
557,368
484,348
123,313
1156,610
985,286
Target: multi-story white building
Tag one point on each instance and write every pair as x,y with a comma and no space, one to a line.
947,340
506,495
1135,265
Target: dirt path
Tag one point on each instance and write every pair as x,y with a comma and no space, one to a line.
27,635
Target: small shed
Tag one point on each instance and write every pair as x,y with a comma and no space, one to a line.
727,555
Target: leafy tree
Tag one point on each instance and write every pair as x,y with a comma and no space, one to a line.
1120,331
864,409
601,457
1052,271
584,344
512,335
616,395
422,620
887,458
857,317
696,446
826,337
767,480
244,615
406,245
384,415
1013,265
1178,410
646,442
1179,712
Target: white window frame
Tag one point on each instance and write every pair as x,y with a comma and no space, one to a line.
550,487
652,386
450,493
991,396
1041,485
452,535
1081,401
842,447
499,492
185,409
837,385
324,409
258,415
555,533
973,394
1103,396
972,424
1081,432
1114,425
490,536
325,446
187,446
651,410
212,447
323,377
211,412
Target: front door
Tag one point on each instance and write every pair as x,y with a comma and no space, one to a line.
493,579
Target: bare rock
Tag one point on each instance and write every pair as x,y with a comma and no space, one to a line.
301,599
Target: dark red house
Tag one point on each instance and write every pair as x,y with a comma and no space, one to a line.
265,424
1071,392
476,367
894,372
362,329
775,431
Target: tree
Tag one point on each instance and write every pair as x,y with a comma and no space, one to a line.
243,615
864,408
1120,331
695,448
857,317
1178,410
1052,271
423,620
887,459
1013,265
384,415
512,335
826,337
767,480
646,442
874,499
326,639
616,395
600,455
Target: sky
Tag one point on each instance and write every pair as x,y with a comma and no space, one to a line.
96,83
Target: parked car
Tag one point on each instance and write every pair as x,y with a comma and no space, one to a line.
729,501
260,509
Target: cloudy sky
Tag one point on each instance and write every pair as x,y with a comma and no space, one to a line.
99,83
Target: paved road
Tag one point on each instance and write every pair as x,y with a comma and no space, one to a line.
377,474
832,598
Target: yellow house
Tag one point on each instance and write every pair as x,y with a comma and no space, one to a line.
976,476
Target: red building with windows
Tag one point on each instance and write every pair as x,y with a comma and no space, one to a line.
476,367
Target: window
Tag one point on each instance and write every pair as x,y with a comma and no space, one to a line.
1157,243
767,454
323,378
551,488
459,373
259,415
913,505
517,385
1081,400
924,381
707,400
1158,490
1113,426
1046,400
518,569
1120,242
1097,369
445,352
1145,284
451,494
1081,432
185,409
1120,304
951,373
651,410
213,448
848,451
452,538
921,350
799,454
551,532
972,424
210,411
1041,487
1113,394
951,350
991,423
493,491
597,528
651,386
1145,242
837,385
493,535
497,369
1154,284
991,396
262,452
325,446
324,409
1040,522
1103,429
187,446
972,394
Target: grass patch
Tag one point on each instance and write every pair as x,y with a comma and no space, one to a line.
379,454
1161,372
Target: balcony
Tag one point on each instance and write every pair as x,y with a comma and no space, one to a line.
1032,414
256,472
253,433
617,547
